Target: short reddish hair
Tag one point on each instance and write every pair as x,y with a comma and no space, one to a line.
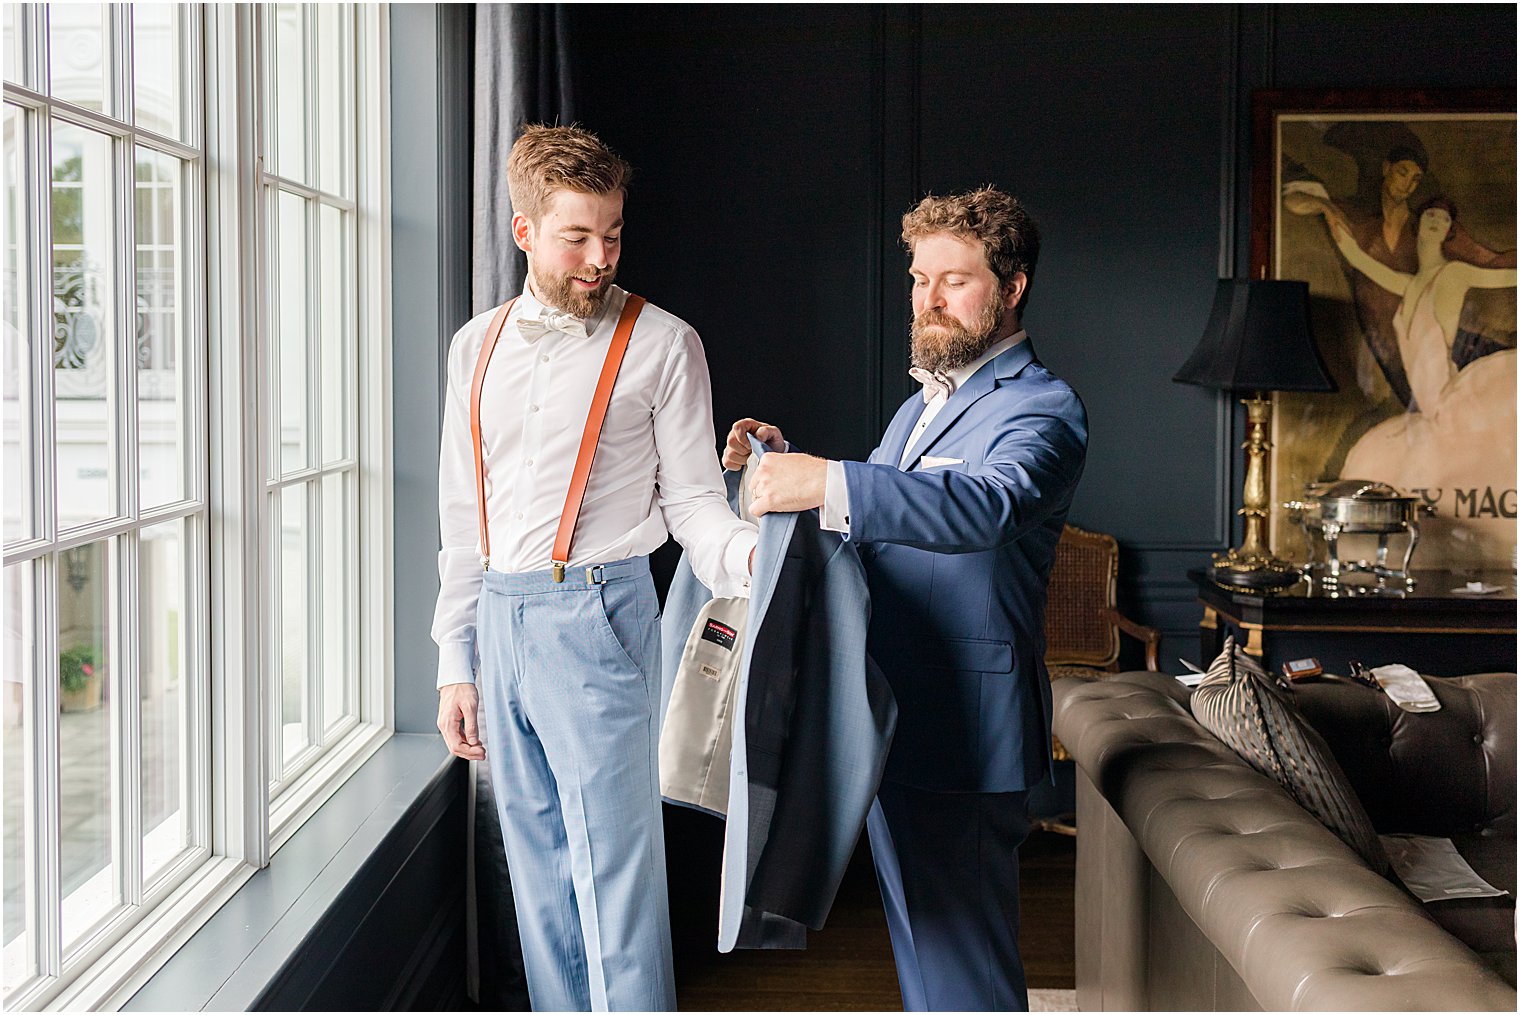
545,159
1009,237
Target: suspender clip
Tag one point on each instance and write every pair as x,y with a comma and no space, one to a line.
559,571
485,563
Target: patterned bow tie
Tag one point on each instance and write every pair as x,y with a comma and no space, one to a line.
534,328
935,384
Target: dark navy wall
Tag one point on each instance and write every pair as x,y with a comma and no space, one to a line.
777,147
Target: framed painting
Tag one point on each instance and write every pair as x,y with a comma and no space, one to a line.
1398,209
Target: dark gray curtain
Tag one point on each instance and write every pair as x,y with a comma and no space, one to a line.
522,75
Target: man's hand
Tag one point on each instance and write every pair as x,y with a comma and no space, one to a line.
787,483
736,451
457,705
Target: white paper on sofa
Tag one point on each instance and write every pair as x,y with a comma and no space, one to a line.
1433,870
1406,687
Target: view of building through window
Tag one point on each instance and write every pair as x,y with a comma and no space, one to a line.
110,448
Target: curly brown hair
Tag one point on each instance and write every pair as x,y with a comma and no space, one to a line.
1009,237
545,159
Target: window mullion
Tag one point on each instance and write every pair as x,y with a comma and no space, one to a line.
166,145
40,148
126,450
128,755
47,858
195,784
372,266
195,282
126,608
273,636
40,50
316,610
312,83
119,19
193,68
237,497
272,633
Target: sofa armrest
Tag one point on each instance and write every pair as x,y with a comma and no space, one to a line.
1295,912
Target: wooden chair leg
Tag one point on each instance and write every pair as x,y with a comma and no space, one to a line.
1061,824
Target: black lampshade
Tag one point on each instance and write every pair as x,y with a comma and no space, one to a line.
1258,339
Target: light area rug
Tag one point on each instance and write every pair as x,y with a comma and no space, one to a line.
1043,999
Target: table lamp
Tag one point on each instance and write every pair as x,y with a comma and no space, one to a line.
1258,341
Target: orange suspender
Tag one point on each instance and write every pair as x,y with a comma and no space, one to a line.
481,362
576,495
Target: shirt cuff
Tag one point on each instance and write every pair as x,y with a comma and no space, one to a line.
735,581
835,516
456,663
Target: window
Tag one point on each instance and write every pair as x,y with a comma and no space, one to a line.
175,235
308,185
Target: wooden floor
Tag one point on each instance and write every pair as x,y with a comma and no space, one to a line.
847,966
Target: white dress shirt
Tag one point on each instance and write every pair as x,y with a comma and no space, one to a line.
656,469
835,515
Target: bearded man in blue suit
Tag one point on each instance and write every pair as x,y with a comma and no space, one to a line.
956,514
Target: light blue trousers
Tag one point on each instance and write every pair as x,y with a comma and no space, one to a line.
569,704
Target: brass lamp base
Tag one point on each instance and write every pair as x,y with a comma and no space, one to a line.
1254,571
1251,564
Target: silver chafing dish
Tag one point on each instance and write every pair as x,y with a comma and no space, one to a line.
1357,506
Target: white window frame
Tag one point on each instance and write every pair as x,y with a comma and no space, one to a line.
55,964
319,768
240,826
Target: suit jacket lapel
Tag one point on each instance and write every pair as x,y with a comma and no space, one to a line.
891,449
981,383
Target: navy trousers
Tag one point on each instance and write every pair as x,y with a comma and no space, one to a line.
948,866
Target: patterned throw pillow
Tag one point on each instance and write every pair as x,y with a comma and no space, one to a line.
1249,713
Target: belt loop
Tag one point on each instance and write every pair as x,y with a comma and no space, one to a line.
596,575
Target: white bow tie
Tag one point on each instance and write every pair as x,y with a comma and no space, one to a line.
534,328
935,384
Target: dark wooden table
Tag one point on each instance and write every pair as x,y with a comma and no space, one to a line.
1429,627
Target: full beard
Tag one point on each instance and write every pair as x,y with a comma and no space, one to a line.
941,343
561,292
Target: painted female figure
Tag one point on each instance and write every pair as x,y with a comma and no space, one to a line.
1461,436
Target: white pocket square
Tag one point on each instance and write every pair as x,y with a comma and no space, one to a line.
929,462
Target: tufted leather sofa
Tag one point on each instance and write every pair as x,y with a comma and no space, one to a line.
1202,885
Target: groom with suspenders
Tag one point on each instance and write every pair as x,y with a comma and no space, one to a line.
577,433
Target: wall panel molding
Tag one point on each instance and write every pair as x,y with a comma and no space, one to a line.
900,125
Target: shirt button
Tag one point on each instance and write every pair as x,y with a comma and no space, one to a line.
519,516
532,408
530,463
543,359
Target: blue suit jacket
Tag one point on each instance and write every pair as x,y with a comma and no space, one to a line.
958,557
811,732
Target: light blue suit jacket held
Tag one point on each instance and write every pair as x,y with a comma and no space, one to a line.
812,727
958,556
